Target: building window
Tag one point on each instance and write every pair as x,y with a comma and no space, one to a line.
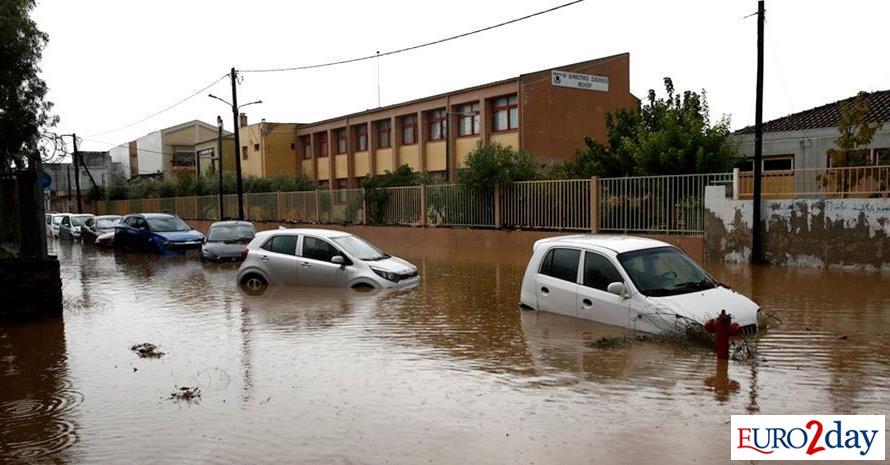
469,119
307,147
383,134
409,129
183,158
505,113
361,137
244,152
865,157
256,147
340,137
437,122
771,163
322,145
324,184
293,146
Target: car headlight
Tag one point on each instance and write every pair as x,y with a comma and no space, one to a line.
386,275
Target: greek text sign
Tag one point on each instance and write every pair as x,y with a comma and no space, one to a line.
579,81
807,437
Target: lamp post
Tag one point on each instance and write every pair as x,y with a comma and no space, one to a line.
219,163
235,110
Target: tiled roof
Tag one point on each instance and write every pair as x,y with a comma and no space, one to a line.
826,116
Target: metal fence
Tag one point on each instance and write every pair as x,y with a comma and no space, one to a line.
656,204
456,205
853,181
662,204
561,204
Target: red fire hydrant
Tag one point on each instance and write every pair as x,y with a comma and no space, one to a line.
723,328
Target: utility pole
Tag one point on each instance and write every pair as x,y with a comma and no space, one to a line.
234,76
219,163
68,188
236,119
76,156
756,230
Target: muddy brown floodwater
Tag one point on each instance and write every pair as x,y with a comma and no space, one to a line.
450,372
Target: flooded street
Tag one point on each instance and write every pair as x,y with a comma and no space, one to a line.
450,372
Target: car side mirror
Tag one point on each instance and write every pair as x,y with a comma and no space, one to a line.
617,288
338,260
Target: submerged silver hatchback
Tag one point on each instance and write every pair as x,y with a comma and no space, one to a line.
320,257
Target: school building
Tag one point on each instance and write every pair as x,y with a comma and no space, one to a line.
547,112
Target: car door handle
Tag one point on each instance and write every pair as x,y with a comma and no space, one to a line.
587,302
264,257
305,264
545,291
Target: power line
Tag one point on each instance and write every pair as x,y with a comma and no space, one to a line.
168,108
413,47
155,152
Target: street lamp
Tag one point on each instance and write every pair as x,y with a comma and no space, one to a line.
235,110
219,163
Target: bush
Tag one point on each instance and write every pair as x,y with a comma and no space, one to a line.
492,165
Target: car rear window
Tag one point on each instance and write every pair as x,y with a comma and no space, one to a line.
284,244
561,264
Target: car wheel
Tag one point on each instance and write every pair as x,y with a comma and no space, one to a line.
254,284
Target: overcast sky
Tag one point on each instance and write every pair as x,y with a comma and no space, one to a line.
112,62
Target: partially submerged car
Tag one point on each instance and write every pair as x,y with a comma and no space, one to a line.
97,226
158,233
320,257
55,220
628,281
226,239
71,225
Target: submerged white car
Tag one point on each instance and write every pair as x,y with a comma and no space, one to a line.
320,257
628,281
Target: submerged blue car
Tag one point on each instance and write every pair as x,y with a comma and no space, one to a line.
158,233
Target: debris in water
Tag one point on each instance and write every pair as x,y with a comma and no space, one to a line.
187,394
744,350
618,342
147,350
610,343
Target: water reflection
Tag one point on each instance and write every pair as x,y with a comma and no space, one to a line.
38,403
450,371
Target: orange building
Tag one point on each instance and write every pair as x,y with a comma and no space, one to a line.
548,113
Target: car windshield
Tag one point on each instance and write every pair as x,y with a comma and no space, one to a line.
57,220
231,233
167,224
664,271
79,220
107,223
359,248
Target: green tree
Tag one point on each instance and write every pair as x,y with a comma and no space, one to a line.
670,135
856,133
24,112
491,165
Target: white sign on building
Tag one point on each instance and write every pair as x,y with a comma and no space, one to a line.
579,81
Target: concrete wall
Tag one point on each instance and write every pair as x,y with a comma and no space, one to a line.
149,153
801,232
810,147
121,154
